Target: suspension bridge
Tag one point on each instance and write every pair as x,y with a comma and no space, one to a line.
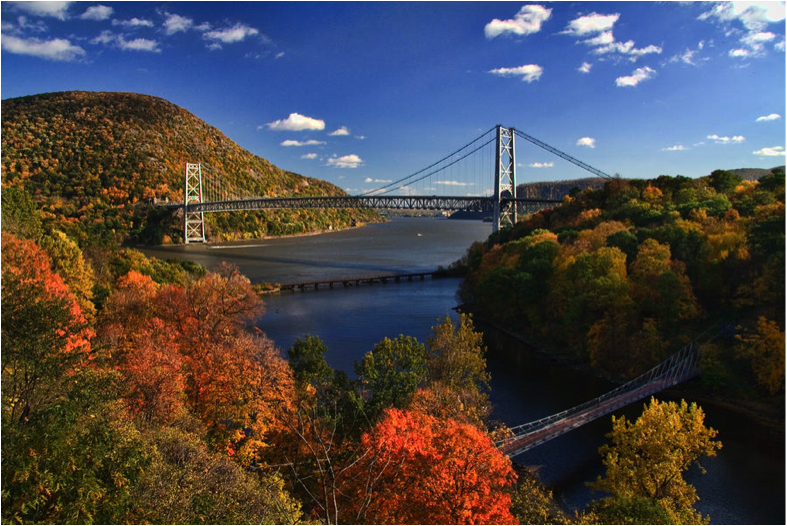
678,368
468,169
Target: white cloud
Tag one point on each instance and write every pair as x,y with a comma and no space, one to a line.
779,45
138,44
57,49
585,67
542,165
527,21
312,142
637,76
134,22
340,131
176,23
297,122
309,156
452,183
754,16
370,180
57,10
345,161
529,72
627,48
676,148
602,39
592,23
739,53
230,35
688,56
773,151
97,12
727,140
120,42
771,117
279,55
587,141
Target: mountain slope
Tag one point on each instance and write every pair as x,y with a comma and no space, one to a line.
92,160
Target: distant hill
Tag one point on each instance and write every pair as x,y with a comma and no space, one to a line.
753,174
557,189
92,160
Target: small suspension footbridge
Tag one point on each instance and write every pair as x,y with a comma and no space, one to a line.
483,171
678,368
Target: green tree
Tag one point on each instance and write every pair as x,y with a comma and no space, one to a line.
20,213
647,458
392,372
69,263
307,360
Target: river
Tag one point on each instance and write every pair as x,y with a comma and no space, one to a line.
744,483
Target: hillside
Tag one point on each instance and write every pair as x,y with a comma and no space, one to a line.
92,161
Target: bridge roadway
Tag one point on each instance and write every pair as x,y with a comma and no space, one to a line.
412,202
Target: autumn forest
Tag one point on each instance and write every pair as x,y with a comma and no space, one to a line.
137,390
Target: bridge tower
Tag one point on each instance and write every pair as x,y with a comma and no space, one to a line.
194,222
505,179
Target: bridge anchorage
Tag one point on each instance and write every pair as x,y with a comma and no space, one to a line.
499,200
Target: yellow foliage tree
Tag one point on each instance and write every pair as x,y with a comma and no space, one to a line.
647,458
765,350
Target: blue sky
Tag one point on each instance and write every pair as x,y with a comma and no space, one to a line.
351,92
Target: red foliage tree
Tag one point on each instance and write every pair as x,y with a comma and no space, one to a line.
423,470
44,332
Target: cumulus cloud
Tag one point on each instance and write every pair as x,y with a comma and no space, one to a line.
529,72
176,23
342,130
542,165
527,21
311,142
57,10
676,148
120,42
97,12
639,75
771,117
345,161
230,35
57,49
585,67
627,48
309,156
587,141
755,17
773,151
133,23
370,180
592,23
138,44
296,122
727,140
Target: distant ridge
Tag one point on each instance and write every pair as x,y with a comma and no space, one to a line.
91,160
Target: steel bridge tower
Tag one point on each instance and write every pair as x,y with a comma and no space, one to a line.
505,179
194,222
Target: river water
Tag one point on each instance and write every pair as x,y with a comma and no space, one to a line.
744,483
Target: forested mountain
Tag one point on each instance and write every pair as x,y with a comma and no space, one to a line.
92,161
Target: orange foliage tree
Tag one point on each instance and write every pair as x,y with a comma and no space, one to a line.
424,470
44,332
